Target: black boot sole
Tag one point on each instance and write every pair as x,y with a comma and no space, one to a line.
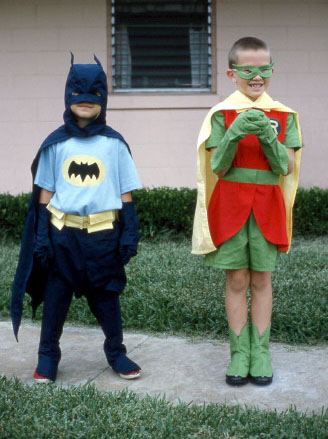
260,381
236,381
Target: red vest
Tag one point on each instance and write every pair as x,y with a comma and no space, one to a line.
231,203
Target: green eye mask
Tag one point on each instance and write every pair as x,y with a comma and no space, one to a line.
249,72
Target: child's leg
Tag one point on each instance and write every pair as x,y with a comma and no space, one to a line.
237,283
261,309
105,306
57,300
261,304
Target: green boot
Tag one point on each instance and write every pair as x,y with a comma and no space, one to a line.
238,369
260,370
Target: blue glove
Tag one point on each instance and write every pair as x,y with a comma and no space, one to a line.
129,236
42,249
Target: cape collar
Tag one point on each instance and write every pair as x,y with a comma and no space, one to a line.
240,102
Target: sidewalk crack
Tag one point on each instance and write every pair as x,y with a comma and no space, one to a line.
139,344
91,379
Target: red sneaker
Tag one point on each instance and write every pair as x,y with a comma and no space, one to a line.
40,379
130,375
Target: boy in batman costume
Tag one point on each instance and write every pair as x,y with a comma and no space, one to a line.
81,226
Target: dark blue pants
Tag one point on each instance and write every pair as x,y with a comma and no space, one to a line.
75,252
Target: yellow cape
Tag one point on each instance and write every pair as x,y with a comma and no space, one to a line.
206,179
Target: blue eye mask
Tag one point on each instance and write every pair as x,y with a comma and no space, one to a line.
249,72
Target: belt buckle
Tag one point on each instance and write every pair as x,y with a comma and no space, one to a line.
85,222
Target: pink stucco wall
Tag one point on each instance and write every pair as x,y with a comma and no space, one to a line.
37,35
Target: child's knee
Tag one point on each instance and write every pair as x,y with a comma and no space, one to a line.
260,280
237,280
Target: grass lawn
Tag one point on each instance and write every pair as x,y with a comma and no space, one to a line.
46,411
169,290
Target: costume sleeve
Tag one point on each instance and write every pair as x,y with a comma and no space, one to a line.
292,139
128,175
45,175
217,131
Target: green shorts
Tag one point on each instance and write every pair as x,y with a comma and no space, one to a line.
246,249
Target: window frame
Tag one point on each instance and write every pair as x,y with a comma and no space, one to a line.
162,91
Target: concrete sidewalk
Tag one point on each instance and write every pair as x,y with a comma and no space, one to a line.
176,367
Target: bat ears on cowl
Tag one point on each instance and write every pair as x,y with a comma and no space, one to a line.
94,57
97,61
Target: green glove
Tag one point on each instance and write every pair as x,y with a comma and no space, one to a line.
275,152
256,122
225,152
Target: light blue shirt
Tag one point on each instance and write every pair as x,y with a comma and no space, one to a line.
87,175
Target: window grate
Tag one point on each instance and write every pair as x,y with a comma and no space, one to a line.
161,45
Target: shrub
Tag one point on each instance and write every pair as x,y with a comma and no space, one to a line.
170,211
165,210
311,212
12,215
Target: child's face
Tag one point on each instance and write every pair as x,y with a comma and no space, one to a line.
255,87
85,112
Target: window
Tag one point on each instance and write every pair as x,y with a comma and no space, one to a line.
161,45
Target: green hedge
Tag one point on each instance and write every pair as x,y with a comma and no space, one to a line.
170,210
311,212
163,210
12,215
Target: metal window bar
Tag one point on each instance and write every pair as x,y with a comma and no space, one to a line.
161,45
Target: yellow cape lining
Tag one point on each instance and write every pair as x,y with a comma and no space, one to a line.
201,239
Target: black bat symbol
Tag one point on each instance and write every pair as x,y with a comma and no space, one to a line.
83,170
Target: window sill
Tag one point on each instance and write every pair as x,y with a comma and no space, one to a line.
158,101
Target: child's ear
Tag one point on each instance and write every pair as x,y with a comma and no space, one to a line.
231,75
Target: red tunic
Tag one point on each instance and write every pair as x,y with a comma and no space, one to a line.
231,203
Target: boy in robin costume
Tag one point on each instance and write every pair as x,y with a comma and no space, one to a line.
81,227
248,167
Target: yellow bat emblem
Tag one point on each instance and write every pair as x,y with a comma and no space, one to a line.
83,170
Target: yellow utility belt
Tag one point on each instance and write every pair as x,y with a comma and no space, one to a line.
93,223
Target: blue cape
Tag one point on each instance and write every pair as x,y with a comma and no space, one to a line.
88,83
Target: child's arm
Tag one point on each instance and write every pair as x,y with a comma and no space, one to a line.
128,219
129,225
280,159
225,152
45,196
292,141
291,162
127,197
220,173
42,246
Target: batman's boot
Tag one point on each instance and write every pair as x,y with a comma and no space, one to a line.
238,369
57,301
260,370
105,306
